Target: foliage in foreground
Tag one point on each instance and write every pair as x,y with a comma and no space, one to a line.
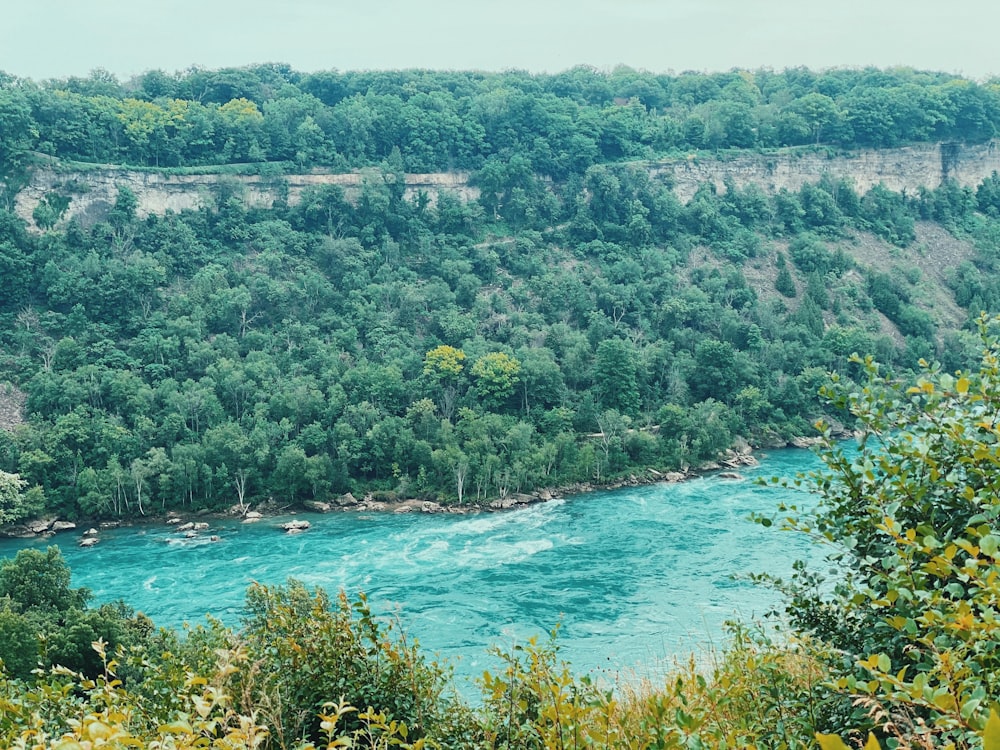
913,516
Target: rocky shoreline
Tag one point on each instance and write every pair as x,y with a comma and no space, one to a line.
726,465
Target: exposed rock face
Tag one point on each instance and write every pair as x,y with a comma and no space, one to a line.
62,526
909,168
11,407
93,192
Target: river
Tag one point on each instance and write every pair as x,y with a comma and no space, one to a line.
633,577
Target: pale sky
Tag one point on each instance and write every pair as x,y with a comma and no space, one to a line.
58,38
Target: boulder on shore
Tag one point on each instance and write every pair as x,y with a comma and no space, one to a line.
88,541
62,526
730,475
317,506
252,516
346,499
295,526
186,527
200,526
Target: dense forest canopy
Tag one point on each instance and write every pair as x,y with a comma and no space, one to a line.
558,125
575,323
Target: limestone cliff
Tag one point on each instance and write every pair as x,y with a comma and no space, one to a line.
93,191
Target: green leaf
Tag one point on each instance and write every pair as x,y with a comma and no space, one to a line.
989,545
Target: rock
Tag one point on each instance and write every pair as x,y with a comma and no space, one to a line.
186,527
109,524
62,526
430,507
317,506
295,525
39,526
805,442
674,476
655,473
200,526
294,531
88,541
172,520
544,495
346,499
730,475
504,503
215,538
190,534
90,532
252,515
404,509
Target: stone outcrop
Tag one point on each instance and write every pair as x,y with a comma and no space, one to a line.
93,192
899,169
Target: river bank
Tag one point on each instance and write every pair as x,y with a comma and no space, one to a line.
192,523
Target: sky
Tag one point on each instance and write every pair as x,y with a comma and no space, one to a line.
58,38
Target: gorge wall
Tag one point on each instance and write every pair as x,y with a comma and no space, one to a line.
92,192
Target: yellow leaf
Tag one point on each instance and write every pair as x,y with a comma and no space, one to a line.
176,727
830,742
991,735
962,386
872,743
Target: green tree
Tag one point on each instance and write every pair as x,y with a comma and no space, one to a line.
496,375
616,376
784,283
12,505
40,580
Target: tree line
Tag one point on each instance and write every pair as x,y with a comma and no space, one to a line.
559,124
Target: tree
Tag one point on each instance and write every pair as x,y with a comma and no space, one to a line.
443,364
496,375
784,283
40,580
12,506
616,376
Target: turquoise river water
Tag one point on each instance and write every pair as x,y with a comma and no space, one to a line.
633,576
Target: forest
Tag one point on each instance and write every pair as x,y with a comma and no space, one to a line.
577,323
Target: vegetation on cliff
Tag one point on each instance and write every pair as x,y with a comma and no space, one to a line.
224,356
